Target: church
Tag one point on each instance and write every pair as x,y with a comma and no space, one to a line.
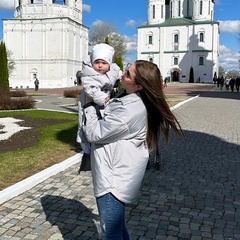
182,38
48,41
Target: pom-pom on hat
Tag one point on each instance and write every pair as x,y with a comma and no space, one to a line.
102,51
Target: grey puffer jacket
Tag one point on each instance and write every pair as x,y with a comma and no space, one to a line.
97,86
118,151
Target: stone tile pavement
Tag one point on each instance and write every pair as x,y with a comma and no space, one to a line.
195,194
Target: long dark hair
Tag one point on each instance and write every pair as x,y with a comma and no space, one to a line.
160,117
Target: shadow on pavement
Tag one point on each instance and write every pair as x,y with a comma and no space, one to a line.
195,193
221,94
71,217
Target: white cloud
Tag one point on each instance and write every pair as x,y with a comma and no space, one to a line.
228,58
131,42
130,23
86,8
232,26
7,4
131,54
97,22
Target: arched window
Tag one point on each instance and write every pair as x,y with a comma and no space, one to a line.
201,60
201,8
188,9
150,38
154,12
176,38
201,37
175,60
179,8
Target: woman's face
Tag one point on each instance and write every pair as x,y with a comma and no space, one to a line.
128,80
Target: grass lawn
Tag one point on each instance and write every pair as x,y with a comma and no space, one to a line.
56,142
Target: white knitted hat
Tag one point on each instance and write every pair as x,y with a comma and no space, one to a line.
103,51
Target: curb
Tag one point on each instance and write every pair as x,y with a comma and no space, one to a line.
26,184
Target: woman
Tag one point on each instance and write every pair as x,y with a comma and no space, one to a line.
121,142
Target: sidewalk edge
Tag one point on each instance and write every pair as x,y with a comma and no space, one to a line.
26,184
183,102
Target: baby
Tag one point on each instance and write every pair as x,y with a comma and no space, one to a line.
99,75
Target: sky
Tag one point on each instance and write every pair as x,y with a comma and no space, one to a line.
127,15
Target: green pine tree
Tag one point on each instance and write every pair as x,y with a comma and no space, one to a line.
4,83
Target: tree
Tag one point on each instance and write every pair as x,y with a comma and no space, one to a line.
107,33
232,74
99,32
221,72
118,43
4,83
119,62
11,63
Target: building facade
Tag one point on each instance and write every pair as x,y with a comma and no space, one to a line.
182,39
47,40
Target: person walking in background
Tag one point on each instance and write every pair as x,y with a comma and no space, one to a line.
122,139
218,81
98,77
221,83
165,81
36,83
232,84
237,83
227,84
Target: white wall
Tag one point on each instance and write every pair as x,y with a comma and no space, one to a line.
189,49
51,47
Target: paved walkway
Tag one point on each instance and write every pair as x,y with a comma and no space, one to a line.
195,195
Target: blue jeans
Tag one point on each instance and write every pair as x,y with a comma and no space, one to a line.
112,218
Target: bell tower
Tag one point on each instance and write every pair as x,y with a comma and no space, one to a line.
160,10
156,11
51,42
48,9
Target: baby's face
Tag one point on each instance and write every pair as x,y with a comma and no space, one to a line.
100,66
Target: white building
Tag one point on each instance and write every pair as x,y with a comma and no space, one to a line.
47,40
180,35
